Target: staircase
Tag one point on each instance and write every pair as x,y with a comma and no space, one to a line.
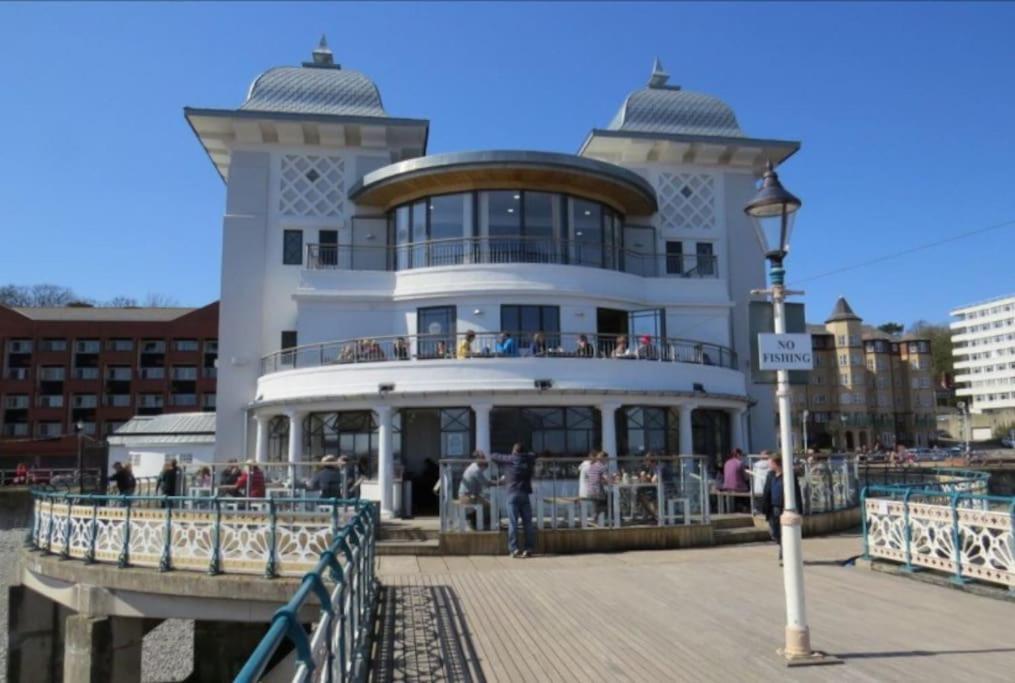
406,538
737,529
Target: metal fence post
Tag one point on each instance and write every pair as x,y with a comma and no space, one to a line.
1011,533
30,536
907,530
93,531
49,529
863,523
269,567
166,562
956,540
216,539
124,560
66,530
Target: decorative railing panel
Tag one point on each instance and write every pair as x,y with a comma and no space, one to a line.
944,527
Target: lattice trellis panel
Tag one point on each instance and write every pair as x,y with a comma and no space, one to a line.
311,185
686,200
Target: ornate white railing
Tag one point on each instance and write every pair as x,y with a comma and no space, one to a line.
945,525
273,537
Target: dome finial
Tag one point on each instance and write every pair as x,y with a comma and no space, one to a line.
659,76
322,55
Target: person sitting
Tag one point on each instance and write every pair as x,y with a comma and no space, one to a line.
506,345
348,354
250,484
646,349
465,346
374,351
470,489
442,350
538,347
401,349
620,350
584,348
203,478
329,479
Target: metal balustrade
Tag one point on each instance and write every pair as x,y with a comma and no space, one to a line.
477,346
273,536
941,519
828,482
516,249
670,490
51,476
344,584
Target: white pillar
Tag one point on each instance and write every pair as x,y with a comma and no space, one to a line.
482,411
608,424
737,429
261,447
385,460
686,430
295,435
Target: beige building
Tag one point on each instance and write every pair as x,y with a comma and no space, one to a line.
867,388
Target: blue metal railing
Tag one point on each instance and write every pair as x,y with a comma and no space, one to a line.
940,520
336,649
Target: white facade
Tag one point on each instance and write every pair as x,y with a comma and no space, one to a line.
368,266
147,442
983,347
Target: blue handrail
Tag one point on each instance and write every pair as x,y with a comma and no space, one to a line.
351,602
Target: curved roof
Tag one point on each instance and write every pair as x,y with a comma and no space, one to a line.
669,109
506,169
317,87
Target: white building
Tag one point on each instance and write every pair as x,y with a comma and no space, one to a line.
983,346
354,265
147,442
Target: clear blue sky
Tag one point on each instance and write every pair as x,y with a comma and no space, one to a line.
905,112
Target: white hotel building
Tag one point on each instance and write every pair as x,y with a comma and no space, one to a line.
354,265
983,348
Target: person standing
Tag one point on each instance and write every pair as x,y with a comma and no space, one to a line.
519,467
773,498
328,479
166,483
472,487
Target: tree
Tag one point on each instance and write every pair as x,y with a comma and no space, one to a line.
121,302
51,295
940,337
891,328
156,300
15,295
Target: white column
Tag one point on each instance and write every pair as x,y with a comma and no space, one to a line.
482,411
737,429
295,435
385,460
686,430
261,447
608,423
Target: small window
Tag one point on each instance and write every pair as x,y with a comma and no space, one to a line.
674,258
292,248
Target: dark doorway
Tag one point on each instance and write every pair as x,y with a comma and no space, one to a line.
610,324
421,450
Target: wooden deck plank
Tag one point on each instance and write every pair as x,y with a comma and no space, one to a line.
712,615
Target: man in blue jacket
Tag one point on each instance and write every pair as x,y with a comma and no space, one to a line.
773,498
518,470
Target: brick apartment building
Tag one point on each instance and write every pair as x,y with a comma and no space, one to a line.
97,367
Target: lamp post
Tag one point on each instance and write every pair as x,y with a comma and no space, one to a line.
773,210
79,428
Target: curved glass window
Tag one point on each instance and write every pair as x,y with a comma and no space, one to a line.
505,226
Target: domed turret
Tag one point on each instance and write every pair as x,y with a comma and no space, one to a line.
317,87
668,109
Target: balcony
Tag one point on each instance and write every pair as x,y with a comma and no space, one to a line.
152,373
85,401
51,401
86,373
183,399
16,373
485,345
16,429
52,374
117,400
185,373
19,402
471,251
87,346
120,374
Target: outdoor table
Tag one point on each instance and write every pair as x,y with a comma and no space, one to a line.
632,487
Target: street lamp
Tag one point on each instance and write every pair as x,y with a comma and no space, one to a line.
79,428
773,210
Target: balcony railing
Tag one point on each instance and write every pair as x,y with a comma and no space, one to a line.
484,345
483,250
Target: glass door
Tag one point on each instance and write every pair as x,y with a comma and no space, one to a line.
435,327
648,332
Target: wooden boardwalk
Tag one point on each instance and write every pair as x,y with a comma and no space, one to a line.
712,614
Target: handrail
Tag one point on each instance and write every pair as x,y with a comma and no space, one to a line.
482,345
508,249
341,635
43,475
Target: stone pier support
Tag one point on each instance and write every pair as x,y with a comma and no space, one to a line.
34,642
102,649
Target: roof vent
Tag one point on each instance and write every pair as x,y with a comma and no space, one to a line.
323,57
659,76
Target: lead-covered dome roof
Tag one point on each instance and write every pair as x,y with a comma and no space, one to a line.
317,87
669,109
